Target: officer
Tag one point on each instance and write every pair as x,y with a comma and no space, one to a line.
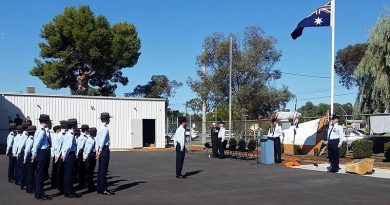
54,167
89,157
57,155
103,154
214,139
68,154
335,140
77,133
15,150
179,140
30,166
20,156
41,155
80,151
221,139
11,159
276,133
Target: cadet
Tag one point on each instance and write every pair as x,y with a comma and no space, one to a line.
41,154
103,154
214,139
221,139
11,159
335,140
76,164
277,132
179,140
89,157
80,151
68,154
20,156
57,155
54,167
15,150
30,166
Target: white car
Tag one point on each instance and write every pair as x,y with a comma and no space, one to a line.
354,135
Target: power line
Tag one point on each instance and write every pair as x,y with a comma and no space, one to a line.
326,96
307,76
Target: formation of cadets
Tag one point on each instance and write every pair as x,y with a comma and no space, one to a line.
73,152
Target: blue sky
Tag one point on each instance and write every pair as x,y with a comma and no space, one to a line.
172,32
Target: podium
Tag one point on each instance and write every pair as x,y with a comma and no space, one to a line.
267,150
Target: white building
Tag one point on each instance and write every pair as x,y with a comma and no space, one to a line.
136,122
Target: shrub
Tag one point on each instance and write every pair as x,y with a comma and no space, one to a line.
232,143
387,151
241,145
362,148
207,145
343,149
252,145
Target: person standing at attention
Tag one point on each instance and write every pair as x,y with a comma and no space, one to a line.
179,140
103,154
41,154
335,140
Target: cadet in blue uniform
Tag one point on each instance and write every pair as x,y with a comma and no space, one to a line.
103,154
68,152
89,157
80,151
335,140
30,166
76,164
54,167
11,159
41,154
179,140
15,150
57,155
20,156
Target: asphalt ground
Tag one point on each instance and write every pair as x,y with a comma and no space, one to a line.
149,178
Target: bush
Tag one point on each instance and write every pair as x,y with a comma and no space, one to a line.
207,145
362,149
232,143
387,151
252,145
241,145
343,150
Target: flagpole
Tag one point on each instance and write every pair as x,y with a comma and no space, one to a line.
230,86
333,17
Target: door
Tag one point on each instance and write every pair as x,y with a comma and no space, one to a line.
136,133
149,132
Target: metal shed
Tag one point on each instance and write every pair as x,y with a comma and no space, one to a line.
136,122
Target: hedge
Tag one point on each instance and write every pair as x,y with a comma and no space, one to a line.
362,149
387,151
232,143
241,145
252,145
343,150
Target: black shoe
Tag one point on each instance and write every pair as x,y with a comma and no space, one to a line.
42,197
91,189
29,191
106,193
23,187
74,195
181,177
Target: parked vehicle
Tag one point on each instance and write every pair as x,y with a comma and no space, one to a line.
354,135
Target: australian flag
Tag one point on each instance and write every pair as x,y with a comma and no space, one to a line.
320,17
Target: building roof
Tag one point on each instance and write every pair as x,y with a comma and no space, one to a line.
80,96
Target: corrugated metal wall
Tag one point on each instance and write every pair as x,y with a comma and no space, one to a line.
87,111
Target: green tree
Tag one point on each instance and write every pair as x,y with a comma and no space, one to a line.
85,53
373,71
253,60
159,86
347,61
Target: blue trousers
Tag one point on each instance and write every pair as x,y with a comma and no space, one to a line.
104,160
90,164
60,175
22,170
42,158
179,159
68,173
11,167
30,173
16,170
334,154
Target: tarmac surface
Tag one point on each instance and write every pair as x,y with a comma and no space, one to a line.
149,178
